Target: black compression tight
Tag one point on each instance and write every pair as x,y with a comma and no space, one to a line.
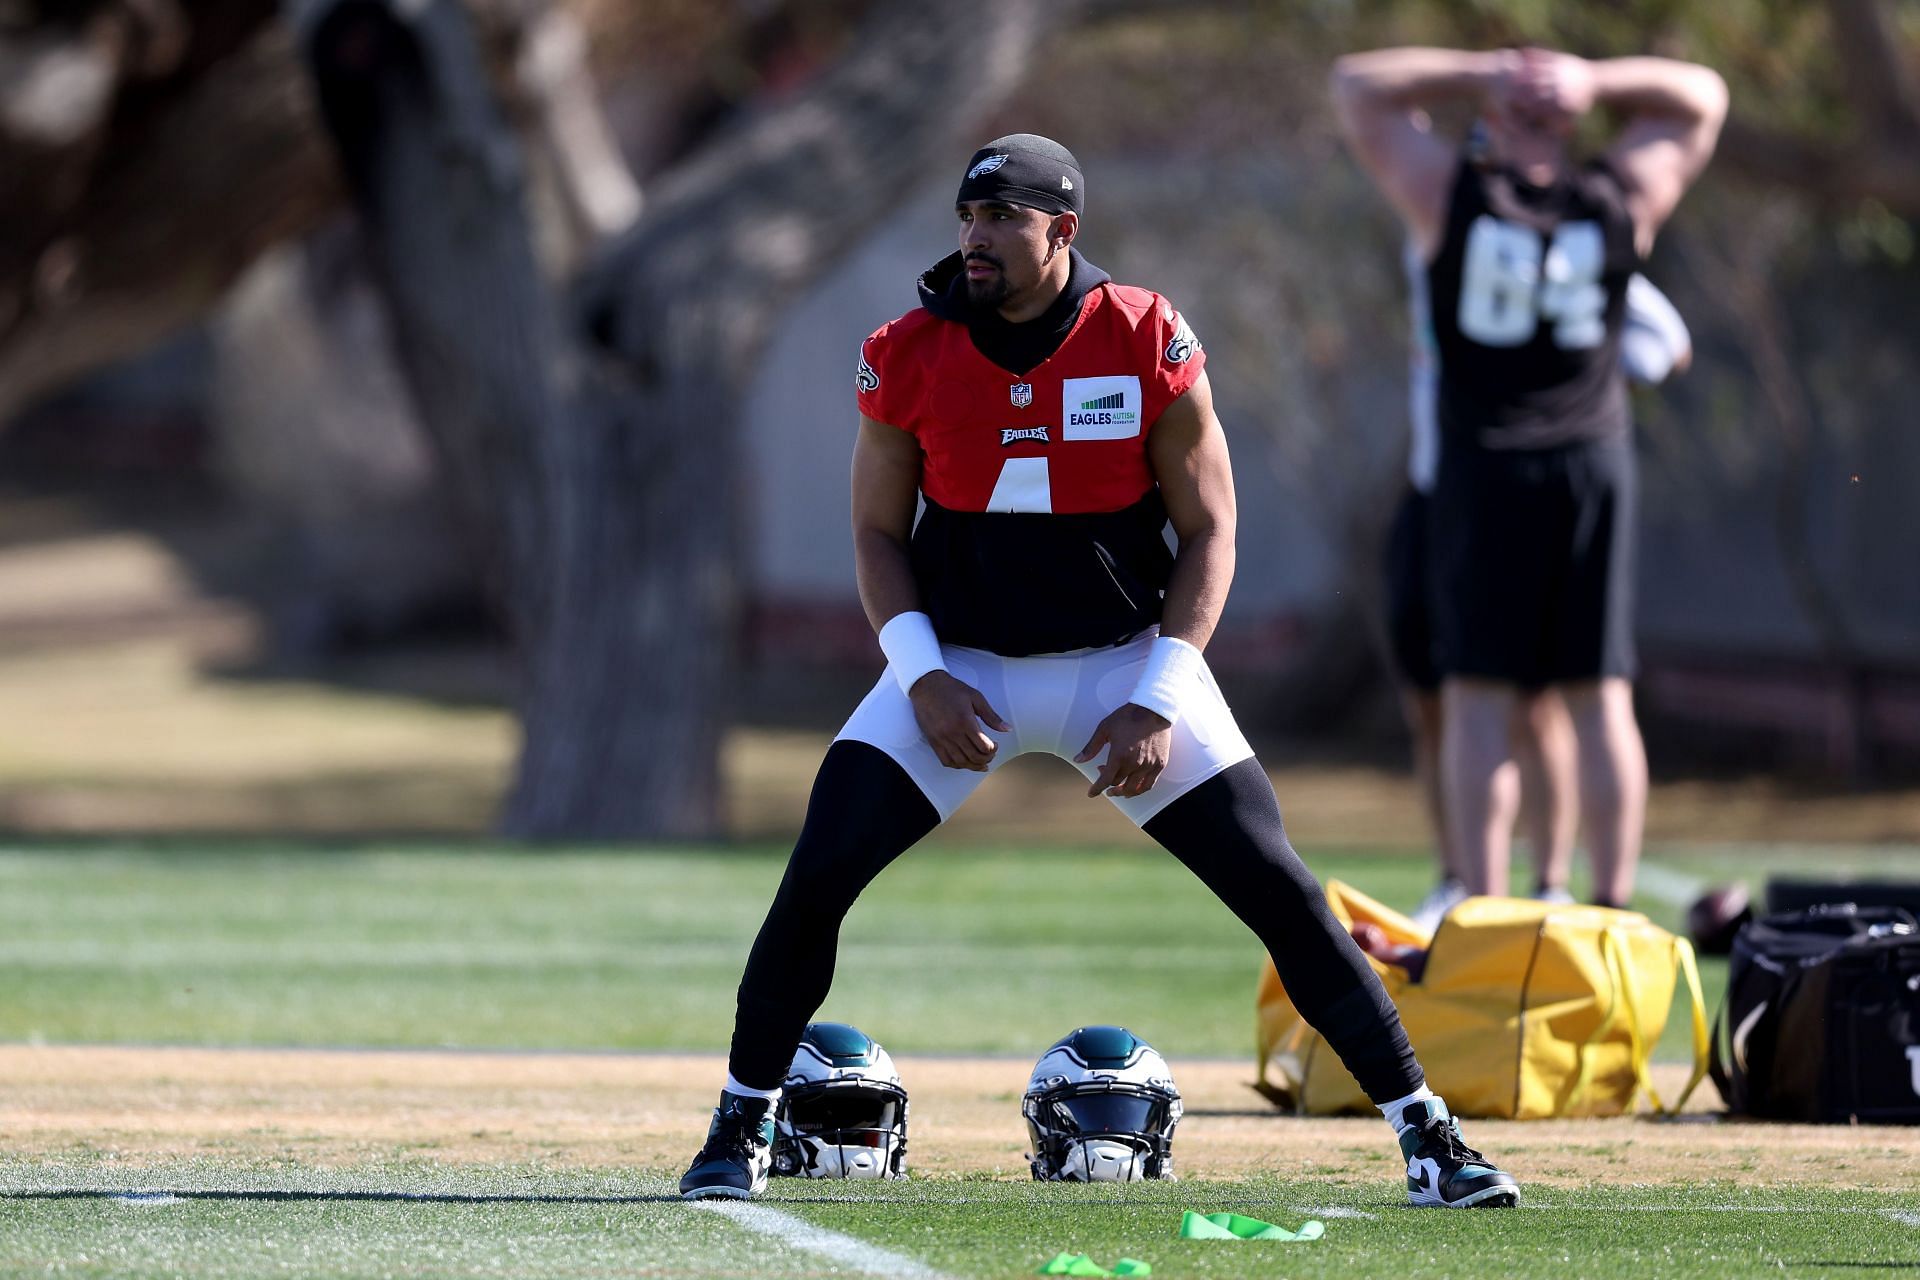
1227,831
865,812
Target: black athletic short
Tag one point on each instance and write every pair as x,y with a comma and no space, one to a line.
1533,562
1409,594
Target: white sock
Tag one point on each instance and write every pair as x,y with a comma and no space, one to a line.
748,1091
1394,1110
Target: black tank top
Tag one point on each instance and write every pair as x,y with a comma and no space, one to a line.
1528,293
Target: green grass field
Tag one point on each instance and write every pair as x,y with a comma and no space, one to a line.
992,951
635,1227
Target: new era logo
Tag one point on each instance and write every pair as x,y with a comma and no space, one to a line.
1066,183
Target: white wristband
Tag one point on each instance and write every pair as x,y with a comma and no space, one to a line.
1172,667
911,648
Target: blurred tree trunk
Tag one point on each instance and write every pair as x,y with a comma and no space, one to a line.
593,435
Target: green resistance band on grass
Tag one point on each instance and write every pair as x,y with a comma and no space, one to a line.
1079,1264
1232,1226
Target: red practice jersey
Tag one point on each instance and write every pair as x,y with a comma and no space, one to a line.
1043,524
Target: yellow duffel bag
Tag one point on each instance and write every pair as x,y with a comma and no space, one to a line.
1525,1010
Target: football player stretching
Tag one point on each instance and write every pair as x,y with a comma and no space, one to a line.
1053,423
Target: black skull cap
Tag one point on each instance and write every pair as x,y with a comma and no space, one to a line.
1025,169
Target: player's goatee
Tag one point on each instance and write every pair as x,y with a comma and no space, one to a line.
990,292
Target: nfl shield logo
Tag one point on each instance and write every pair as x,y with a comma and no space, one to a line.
1021,394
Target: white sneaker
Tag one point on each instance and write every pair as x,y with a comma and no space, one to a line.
1433,908
1557,897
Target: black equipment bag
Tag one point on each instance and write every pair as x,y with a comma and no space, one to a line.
1788,893
1822,1017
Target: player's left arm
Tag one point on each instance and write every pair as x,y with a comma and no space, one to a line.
1188,453
1674,113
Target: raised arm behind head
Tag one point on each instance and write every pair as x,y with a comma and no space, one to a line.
1382,99
1531,100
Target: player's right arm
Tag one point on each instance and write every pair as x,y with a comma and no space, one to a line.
886,489
1381,99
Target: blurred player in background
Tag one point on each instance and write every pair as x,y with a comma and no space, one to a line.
1656,344
1528,259
1051,424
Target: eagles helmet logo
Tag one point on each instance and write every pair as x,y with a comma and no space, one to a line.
842,1111
987,165
865,378
1101,1107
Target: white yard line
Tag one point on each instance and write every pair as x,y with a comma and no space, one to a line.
798,1233
1902,1217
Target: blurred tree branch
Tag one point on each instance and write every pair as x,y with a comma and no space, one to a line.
1821,173
118,224
150,150
1881,160
1879,71
120,218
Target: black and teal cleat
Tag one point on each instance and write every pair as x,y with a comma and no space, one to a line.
1443,1172
739,1151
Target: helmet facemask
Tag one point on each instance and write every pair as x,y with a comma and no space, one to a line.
1102,1131
845,1128
842,1110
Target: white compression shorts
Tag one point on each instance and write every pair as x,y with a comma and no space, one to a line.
1054,702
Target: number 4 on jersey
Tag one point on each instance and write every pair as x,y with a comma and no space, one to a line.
1512,279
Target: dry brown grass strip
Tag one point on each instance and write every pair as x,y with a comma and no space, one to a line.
140,1105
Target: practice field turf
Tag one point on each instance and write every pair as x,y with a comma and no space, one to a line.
997,951
270,1222
241,1163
